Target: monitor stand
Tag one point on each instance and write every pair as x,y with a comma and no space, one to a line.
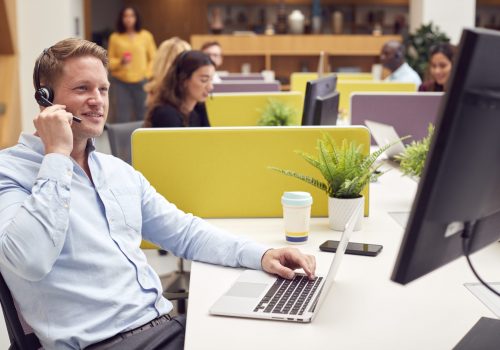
485,335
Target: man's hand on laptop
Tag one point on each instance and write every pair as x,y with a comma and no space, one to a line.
283,261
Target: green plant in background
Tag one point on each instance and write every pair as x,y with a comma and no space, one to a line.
346,169
412,160
277,113
419,44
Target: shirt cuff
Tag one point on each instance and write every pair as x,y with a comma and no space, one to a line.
56,167
252,255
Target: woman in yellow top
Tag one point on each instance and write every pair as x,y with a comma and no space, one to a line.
131,51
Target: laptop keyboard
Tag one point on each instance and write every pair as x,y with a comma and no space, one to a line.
289,297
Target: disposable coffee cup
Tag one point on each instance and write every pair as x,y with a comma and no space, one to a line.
296,216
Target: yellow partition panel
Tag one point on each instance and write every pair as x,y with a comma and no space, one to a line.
223,172
299,80
347,87
245,109
148,245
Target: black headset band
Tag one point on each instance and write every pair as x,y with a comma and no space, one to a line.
180,60
37,68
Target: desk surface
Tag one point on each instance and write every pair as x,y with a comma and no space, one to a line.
364,309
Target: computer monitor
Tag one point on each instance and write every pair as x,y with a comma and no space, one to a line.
457,206
326,109
316,88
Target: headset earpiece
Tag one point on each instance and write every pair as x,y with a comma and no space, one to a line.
44,96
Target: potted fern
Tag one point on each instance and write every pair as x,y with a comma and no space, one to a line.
412,160
277,113
346,171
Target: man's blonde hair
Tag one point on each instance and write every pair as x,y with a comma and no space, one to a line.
49,64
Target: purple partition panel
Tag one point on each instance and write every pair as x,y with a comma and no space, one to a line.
409,113
247,86
251,76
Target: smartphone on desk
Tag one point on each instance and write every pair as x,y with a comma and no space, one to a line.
352,248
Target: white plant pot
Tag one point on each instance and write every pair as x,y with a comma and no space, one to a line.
341,209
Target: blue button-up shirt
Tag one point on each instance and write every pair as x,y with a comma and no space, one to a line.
405,74
69,246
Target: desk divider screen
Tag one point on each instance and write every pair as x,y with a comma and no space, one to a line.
222,172
236,86
347,87
245,109
298,80
408,112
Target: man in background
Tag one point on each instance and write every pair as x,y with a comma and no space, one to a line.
214,51
392,57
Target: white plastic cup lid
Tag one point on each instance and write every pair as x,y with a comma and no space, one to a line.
296,198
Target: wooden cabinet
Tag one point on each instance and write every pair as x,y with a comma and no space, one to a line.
10,106
293,53
309,2
488,14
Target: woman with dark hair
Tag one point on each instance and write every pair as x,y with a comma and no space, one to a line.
131,51
440,64
181,95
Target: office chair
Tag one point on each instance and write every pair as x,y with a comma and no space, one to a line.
20,333
119,139
175,284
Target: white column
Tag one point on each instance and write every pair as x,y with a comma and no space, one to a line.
451,16
41,24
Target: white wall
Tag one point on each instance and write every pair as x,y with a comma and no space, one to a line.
41,24
451,16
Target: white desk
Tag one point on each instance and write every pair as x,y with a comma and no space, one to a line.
365,309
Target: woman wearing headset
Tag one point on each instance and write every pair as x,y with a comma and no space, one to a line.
181,95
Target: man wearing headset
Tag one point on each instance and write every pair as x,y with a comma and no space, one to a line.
72,219
392,57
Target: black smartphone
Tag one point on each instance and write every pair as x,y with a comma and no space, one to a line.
352,248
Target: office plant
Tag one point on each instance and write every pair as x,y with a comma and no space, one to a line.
345,170
277,113
412,160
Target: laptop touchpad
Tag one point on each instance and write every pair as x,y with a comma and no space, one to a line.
246,289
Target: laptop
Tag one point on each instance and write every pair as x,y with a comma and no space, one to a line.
384,134
257,294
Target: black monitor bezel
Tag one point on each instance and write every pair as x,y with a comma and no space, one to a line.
413,260
315,88
320,106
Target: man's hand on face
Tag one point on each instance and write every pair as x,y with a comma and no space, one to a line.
53,126
283,261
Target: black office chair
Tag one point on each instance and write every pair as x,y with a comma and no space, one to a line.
119,139
20,333
175,284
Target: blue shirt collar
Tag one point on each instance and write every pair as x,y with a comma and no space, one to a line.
35,143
